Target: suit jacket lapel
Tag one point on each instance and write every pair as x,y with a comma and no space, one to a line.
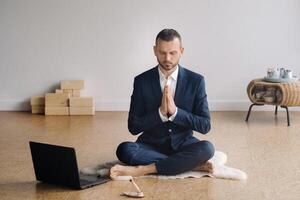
156,84
180,85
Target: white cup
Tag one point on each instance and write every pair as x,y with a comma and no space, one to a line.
288,74
273,73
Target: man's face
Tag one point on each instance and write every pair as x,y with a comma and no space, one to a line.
168,54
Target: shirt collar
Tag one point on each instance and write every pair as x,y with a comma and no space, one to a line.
174,75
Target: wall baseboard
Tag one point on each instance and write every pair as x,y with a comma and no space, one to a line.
14,105
214,105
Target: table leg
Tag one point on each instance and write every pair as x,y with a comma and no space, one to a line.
276,109
250,108
287,114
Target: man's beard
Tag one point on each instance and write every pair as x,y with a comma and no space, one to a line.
167,65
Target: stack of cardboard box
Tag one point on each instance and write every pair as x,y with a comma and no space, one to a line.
37,104
65,101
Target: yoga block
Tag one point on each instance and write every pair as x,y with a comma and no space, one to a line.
37,109
81,102
76,93
82,110
37,100
68,91
76,84
59,91
49,110
57,100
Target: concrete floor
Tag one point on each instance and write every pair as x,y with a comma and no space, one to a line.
264,147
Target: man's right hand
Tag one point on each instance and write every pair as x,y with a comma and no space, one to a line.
164,106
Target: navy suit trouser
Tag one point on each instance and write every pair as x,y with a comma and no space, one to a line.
167,160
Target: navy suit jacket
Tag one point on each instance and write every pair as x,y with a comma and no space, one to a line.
192,109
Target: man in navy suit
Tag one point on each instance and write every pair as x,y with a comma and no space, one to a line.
167,104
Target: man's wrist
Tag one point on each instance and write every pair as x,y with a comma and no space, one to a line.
163,117
172,117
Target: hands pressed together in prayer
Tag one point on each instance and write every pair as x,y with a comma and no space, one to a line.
167,107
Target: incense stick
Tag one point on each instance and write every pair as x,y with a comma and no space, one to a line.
135,185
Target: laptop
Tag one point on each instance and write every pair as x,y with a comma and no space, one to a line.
57,165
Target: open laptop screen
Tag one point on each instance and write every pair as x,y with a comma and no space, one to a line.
55,164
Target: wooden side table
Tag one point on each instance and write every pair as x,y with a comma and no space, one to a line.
278,94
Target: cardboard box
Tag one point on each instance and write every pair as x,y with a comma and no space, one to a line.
37,109
82,110
81,102
57,100
49,110
76,93
59,91
68,91
37,100
75,84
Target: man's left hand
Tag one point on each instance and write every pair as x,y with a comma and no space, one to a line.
170,103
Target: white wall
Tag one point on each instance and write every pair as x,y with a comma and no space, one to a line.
107,43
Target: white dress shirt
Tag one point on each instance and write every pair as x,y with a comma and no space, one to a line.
171,81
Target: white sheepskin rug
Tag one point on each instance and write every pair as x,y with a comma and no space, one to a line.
218,161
